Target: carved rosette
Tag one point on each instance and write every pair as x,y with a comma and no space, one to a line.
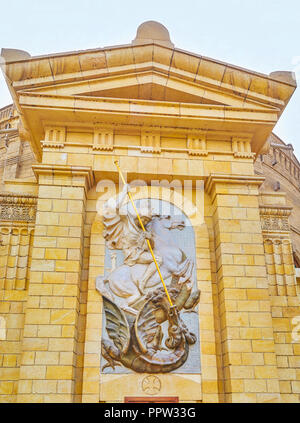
275,218
17,207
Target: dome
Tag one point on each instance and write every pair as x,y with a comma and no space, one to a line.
151,31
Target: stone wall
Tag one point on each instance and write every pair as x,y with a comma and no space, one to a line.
53,250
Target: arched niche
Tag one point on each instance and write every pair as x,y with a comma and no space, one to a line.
107,387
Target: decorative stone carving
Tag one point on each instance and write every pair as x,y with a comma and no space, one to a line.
103,139
15,252
242,148
55,134
151,385
55,137
280,266
275,218
150,142
145,333
197,145
17,207
49,144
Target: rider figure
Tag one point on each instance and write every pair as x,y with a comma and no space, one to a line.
123,231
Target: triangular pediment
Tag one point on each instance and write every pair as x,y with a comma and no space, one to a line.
145,83
137,66
153,85
153,92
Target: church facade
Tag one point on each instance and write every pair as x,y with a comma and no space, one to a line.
84,315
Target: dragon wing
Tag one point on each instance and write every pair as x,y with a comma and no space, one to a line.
116,325
147,328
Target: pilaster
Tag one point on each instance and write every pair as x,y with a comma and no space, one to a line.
49,369
285,306
248,348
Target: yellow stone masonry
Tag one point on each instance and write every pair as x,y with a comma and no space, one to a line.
188,127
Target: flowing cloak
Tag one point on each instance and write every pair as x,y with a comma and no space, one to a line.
122,233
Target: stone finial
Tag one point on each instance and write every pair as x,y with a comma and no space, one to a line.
152,31
14,55
284,76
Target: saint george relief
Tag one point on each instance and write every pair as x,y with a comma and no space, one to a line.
141,331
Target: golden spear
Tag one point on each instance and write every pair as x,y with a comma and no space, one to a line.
144,230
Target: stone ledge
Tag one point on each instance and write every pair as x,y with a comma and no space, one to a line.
84,171
232,180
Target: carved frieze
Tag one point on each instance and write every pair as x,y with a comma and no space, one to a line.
242,148
103,139
52,144
275,218
150,142
17,207
55,134
196,145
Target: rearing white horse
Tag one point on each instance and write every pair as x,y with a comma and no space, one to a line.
123,285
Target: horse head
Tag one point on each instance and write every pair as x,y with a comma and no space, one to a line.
168,222
177,223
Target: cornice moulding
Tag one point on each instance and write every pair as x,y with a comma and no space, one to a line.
284,78
84,171
275,210
214,179
17,198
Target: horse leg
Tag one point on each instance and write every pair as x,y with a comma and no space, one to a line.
128,309
134,298
151,268
124,289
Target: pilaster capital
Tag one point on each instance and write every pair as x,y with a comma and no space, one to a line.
79,175
216,183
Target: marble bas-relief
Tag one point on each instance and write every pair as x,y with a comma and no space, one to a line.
142,332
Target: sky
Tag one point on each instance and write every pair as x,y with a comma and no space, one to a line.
260,35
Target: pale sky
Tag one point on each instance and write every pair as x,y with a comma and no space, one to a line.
260,35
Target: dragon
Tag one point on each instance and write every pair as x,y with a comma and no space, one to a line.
139,342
